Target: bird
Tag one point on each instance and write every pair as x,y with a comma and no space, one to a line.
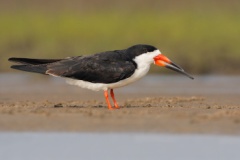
101,71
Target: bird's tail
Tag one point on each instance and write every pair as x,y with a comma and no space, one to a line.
33,61
32,65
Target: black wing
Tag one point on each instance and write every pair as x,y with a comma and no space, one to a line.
106,67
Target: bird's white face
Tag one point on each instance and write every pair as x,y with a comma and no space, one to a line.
145,59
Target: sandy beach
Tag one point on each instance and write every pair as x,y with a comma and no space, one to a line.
155,104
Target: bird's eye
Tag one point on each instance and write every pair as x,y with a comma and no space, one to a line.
145,50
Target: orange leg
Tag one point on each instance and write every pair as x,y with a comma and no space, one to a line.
107,100
114,100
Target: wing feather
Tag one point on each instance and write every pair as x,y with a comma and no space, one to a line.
99,68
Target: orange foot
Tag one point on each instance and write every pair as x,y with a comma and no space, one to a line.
116,106
114,100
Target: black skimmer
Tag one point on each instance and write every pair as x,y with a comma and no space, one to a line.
101,71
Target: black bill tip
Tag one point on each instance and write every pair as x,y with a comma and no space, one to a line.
178,69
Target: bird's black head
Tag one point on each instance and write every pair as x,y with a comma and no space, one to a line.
139,49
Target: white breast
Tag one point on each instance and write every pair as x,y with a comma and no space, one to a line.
143,62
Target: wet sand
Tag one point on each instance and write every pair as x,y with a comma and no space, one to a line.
30,103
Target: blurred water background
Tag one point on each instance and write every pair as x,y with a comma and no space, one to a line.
201,36
222,89
117,146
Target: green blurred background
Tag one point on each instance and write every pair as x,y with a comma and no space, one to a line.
201,36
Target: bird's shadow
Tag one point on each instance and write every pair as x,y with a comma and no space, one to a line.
137,106
86,106
100,106
76,106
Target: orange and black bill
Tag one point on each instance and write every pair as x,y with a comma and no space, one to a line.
163,61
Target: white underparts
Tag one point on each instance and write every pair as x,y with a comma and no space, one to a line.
143,62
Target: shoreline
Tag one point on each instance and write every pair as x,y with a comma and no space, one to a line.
50,105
